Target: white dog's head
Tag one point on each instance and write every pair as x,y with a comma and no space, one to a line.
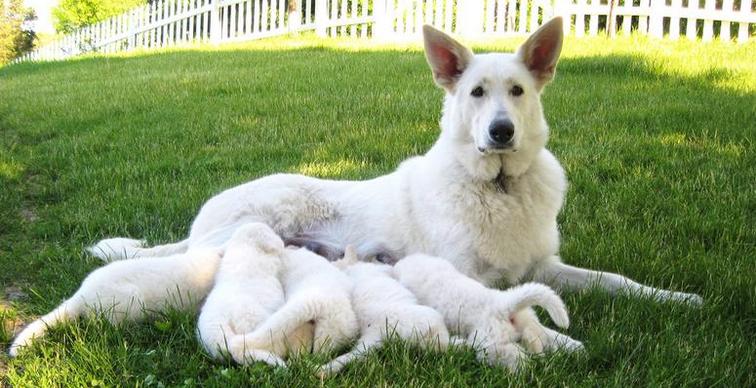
492,101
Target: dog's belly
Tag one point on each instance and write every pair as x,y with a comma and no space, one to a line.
336,212
287,203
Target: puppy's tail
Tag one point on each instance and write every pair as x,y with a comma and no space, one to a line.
113,249
535,294
363,347
67,311
335,319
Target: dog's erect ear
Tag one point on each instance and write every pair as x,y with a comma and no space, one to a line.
540,52
446,57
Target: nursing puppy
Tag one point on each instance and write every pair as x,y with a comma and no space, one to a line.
492,320
384,308
247,291
131,290
317,296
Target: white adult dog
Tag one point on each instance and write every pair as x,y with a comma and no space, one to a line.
485,196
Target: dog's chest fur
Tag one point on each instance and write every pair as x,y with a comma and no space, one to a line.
495,233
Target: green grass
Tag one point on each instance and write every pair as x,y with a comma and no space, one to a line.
656,137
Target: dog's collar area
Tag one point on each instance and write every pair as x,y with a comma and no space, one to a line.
502,181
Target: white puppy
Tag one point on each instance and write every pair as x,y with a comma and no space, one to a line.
247,291
317,296
131,290
384,307
492,320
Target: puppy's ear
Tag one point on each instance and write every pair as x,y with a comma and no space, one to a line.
540,53
447,58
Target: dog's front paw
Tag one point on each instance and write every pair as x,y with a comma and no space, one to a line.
693,300
113,249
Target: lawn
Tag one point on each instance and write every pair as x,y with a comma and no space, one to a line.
657,139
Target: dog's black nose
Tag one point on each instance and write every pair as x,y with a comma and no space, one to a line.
501,131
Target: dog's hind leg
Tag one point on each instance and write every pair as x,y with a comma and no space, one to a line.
566,277
113,249
363,347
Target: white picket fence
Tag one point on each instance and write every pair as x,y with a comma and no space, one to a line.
165,23
660,18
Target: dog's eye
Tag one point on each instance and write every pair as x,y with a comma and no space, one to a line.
477,92
516,91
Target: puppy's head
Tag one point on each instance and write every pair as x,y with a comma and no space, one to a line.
493,100
258,236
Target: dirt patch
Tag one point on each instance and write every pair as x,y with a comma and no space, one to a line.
15,294
29,215
11,323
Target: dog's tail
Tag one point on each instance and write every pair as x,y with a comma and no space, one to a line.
113,249
67,311
535,294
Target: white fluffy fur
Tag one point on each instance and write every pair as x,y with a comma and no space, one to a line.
384,308
491,212
492,320
247,291
131,289
317,297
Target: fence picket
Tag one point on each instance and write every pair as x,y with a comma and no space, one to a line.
724,31
745,10
674,21
643,18
690,26
593,21
708,28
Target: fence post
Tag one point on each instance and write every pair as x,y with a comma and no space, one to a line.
215,22
321,17
561,8
656,21
470,18
295,16
379,13
131,28
745,9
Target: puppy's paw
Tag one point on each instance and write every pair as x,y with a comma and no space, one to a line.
113,249
568,344
264,356
510,356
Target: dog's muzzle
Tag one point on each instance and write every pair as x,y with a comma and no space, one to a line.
500,135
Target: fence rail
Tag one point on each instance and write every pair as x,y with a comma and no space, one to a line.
165,23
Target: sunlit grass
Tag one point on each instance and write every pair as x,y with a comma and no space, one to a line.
656,138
